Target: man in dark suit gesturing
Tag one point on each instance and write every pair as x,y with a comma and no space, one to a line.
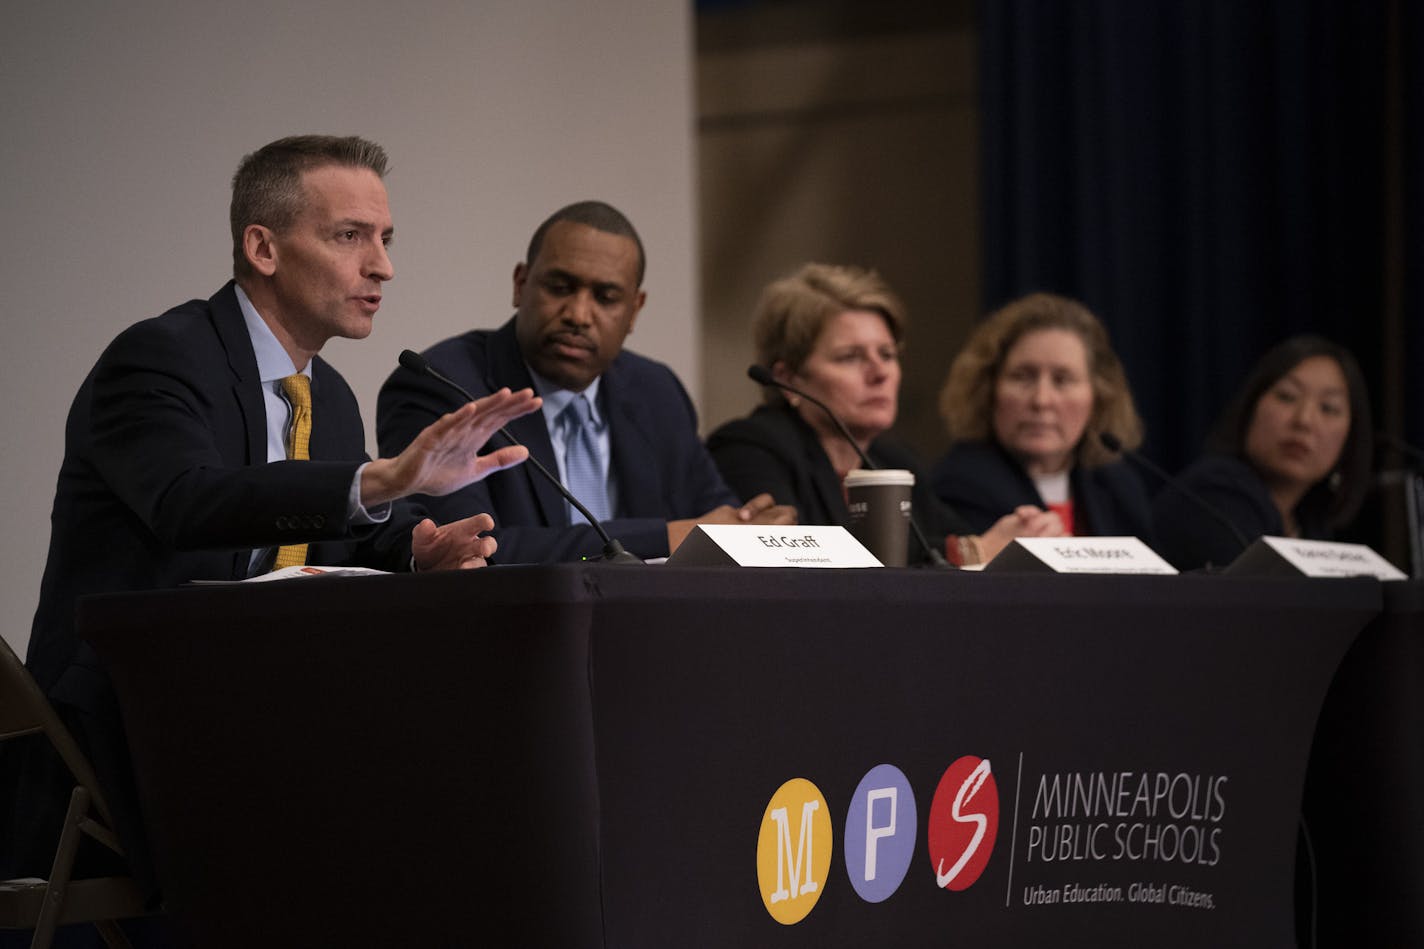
618,427
209,438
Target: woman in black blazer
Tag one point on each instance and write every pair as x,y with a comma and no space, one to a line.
835,333
1289,457
1027,401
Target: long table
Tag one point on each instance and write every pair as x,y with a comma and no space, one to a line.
590,755
1362,873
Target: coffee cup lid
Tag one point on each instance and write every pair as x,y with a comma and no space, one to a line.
862,477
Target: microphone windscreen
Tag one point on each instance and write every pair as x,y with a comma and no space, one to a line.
1110,441
412,360
761,374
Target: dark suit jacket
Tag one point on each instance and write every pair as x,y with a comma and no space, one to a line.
165,479
165,476
774,450
662,470
983,483
1189,538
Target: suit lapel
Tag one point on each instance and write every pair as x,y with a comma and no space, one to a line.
242,361
1086,517
823,474
505,367
640,487
231,329
1019,475
337,434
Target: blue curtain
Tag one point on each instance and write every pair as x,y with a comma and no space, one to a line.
1209,176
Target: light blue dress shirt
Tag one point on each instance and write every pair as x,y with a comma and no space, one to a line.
274,365
557,399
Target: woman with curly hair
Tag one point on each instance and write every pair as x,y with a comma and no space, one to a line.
1027,402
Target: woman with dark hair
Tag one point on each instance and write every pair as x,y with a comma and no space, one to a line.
1290,457
835,332
1027,402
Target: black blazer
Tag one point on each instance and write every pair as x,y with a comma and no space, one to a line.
774,450
164,480
983,482
1191,539
662,470
165,476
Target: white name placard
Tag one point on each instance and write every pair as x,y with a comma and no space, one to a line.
1321,558
755,545
1080,555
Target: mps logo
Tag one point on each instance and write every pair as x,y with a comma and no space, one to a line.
796,837
963,822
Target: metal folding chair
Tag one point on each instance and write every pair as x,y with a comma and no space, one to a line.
45,904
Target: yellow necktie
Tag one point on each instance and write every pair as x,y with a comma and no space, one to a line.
298,392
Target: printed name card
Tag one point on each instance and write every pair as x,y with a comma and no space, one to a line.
1080,555
1313,558
755,545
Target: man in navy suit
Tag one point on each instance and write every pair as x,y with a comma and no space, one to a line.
577,295
175,467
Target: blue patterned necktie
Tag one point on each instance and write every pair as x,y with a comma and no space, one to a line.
583,462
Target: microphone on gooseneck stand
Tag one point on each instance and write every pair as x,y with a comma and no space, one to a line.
613,551
1386,440
762,375
1114,444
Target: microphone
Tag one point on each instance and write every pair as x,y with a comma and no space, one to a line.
1399,445
763,376
613,551
1114,444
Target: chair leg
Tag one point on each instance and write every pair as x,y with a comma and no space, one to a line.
69,839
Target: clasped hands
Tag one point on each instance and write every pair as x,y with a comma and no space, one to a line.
761,509
1026,520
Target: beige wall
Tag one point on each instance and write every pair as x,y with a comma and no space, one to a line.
123,124
857,149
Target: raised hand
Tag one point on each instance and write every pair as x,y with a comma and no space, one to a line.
445,456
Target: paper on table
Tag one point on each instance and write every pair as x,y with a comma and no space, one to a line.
301,570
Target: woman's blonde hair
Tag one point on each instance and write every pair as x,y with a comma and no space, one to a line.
966,403
794,310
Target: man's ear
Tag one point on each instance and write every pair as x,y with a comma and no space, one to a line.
637,308
260,247
521,276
